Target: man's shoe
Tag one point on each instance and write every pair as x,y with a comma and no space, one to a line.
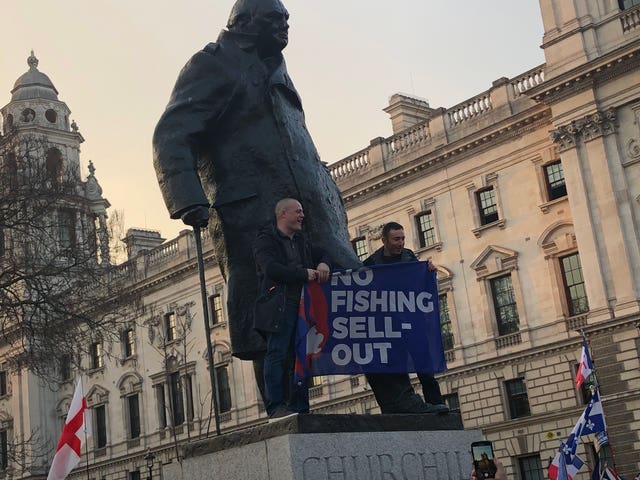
438,408
281,413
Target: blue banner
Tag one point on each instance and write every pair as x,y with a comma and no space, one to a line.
383,318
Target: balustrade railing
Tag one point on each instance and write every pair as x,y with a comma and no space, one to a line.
407,139
630,19
527,80
123,270
469,109
162,252
420,135
350,165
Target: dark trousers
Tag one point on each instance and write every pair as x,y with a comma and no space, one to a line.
278,368
395,394
430,388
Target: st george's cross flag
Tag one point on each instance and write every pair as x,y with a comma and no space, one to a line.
73,436
585,368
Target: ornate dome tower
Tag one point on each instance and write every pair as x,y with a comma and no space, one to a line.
38,140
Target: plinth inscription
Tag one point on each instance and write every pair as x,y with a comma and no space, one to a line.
386,466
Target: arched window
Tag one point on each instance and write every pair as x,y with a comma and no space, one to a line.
560,247
98,401
54,166
222,360
130,386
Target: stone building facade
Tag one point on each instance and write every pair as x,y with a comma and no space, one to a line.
526,196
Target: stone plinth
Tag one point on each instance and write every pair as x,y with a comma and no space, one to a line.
334,447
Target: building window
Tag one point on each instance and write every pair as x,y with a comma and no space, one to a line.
224,389
133,413
585,389
215,306
453,402
128,343
170,326
315,389
177,400
627,4
100,426
360,247
573,280
67,228
162,406
531,468
487,206
134,475
95,354
65,367
517,398
10,172
54,166
554,177
605,455
4,450
3,383
426,229
188,382
504,303
445,322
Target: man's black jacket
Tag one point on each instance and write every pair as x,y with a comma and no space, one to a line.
273,271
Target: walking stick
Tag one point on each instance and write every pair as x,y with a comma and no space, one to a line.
207,327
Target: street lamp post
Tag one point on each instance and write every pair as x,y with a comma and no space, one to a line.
149,457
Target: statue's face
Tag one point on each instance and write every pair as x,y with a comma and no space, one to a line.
270,23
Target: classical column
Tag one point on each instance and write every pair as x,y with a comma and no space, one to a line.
597,190
103,237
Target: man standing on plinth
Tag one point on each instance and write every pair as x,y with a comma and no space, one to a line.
231,143
393,391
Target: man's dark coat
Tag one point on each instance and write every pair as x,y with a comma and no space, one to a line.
273,270
233,137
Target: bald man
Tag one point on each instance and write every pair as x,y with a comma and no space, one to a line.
286,260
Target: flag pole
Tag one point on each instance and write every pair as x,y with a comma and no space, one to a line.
596,384
596,387
86,438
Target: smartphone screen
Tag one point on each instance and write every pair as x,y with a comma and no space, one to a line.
483,463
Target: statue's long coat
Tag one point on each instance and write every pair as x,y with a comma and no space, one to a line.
233,137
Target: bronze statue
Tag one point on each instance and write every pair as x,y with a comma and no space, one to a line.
232,142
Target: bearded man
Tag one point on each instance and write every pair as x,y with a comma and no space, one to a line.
231,143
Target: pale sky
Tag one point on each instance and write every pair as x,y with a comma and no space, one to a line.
114,64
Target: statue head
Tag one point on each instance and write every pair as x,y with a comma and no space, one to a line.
265,18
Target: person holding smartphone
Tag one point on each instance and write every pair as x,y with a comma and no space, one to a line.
501,473
485,464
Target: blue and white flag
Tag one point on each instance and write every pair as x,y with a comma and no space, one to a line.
565,464
593,417
383,318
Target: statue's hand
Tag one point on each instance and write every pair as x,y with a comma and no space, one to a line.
196,216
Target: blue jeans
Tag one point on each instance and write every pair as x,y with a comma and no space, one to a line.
278,368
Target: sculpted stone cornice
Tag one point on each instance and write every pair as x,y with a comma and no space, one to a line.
563,347
568,84
587,128
472,145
